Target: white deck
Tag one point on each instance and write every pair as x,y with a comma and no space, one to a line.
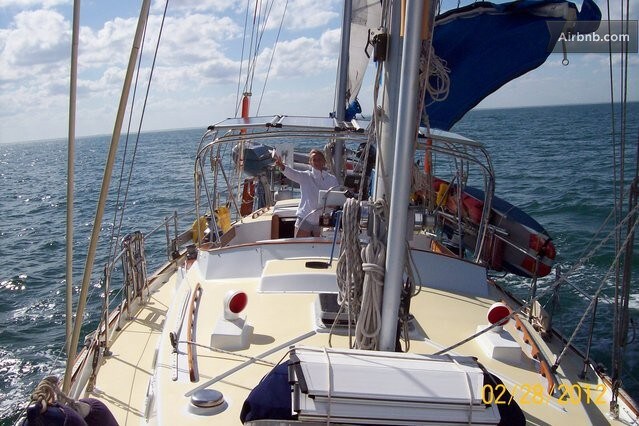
279,318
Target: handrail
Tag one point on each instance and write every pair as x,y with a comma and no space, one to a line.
545,369
190,349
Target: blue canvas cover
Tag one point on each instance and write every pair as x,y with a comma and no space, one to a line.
486,45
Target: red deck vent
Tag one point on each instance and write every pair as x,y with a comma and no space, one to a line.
497,313
234,303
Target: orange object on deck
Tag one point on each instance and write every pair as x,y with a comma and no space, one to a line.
248,195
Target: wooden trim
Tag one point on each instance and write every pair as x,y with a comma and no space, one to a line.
547,373
544,367
315,240
227,237
275,227
191,355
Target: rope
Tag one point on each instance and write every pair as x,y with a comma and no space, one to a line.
350,276
48,393
44,393
268,195
328,156
369,323
439,86
137,139
438,90
360,277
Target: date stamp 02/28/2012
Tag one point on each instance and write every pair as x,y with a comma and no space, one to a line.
535,394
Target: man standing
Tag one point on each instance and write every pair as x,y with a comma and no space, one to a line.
311,182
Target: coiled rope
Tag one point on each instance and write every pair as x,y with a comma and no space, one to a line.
439,86
369,323
350,276
48,393
360,277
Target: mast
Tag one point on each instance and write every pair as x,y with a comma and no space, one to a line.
387,116
407,122
71,171
95,233
342,83
342,66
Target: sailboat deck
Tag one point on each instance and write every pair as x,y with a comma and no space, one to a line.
278,320
122,383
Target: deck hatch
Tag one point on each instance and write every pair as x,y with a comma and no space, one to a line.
382,387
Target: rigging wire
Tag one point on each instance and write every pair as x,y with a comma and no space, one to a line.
238,100
139,130
116,230
95,231
250,54
622,279
113,250
261,32
261,15
551,288
270,64
610,271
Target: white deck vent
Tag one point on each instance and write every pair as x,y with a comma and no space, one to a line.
497,343
231,331
387,388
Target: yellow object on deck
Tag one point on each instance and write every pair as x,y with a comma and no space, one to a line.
223,218
442,194
199,228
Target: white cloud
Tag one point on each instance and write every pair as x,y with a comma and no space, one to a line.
198,62
35,38
305,14
302,57
195,80
110,45
191,6
24,4
195,38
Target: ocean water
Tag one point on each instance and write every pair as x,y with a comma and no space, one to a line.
553,162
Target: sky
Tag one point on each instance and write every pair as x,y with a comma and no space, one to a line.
195,80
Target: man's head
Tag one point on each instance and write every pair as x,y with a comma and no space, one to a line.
316,159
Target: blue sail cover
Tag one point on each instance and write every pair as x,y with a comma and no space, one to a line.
486,45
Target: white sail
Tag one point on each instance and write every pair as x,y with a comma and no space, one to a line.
366,16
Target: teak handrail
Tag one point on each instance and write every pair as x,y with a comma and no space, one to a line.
190,348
